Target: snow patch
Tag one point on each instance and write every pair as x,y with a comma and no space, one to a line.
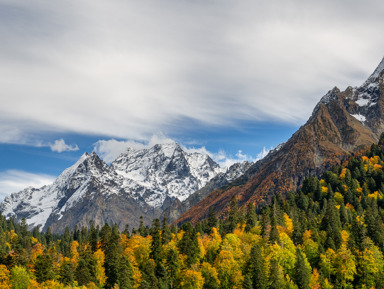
362,101
359,117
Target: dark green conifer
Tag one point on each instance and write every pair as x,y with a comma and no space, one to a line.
44,268
302,272
250,217
256,269
166,234
67,273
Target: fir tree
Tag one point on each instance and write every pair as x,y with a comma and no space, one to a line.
250,217
256,269
302,272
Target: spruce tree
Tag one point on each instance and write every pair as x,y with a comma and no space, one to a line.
44,268
166,234
256,269
250,217
156,247
67,273
302,272
233,216
212,220
173,266
125,279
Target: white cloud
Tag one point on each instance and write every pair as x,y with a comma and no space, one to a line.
60,146
12,181
109,150
263,153
127,69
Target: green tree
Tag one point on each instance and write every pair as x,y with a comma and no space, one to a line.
250,217
256,269
302,271
20,278
44,268
67,273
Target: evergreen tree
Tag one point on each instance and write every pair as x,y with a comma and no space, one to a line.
256,269
274,236
212,220
86,268
125,279
44,268
276,276
247,283
67,273
302,271
233,216
188,244
250,217
166,234
156,241
173,266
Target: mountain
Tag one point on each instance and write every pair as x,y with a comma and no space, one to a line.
164,172
178,207
138,183
341,123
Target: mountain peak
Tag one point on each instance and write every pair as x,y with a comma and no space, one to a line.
378,71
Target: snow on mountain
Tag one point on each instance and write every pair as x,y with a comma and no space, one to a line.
164,170
36,205
146,178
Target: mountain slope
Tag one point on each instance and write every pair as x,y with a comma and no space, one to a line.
178,207
341,123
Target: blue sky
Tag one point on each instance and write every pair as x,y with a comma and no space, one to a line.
219,76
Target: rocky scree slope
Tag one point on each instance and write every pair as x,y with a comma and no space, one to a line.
341,123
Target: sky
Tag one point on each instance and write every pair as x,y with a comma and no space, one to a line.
229,78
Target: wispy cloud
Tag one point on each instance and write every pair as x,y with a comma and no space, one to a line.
126,69
110,149
12,181
60,146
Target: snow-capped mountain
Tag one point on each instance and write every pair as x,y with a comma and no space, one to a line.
164,171
138,183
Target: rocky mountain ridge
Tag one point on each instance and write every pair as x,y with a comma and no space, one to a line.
341,123
138,183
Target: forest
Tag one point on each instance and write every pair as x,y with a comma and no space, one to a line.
328,234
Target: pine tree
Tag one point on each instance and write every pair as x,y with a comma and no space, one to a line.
302,271
156,242
44,268
188,244
250,217
233,216
274,236
67,273
125,279
173,266
276,276
86,268
256,269
166,234
212,220
247,283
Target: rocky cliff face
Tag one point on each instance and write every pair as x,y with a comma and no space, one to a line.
232,173
341,123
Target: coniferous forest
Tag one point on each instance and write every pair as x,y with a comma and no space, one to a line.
329,234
